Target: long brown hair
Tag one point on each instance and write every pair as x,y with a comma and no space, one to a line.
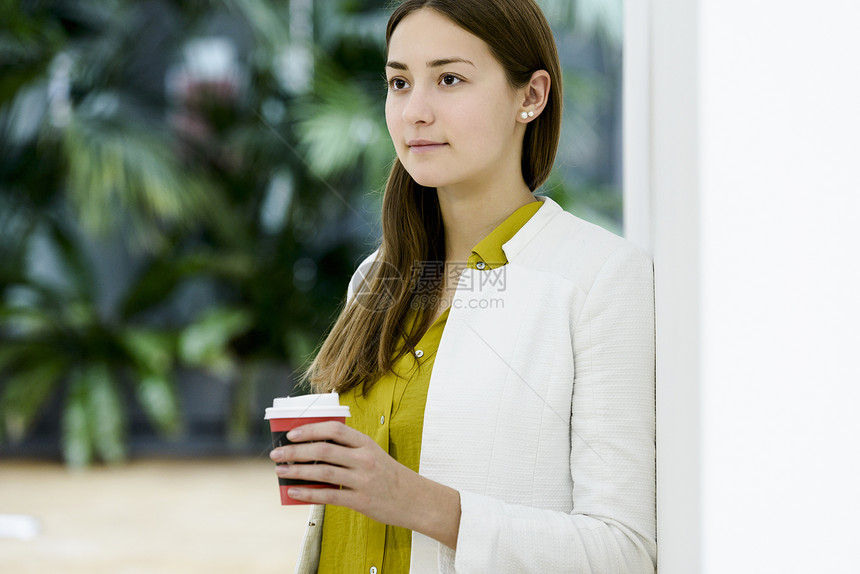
363,343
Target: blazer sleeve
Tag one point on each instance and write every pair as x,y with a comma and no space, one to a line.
362,272
612,526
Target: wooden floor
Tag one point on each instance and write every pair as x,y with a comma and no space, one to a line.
150,517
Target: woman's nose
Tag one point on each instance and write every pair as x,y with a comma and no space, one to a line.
418,107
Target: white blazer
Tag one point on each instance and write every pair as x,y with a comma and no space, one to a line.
540,410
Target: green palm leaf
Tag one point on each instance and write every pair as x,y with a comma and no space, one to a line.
119,173
338,128
204,342
105,412
151,350
157,396
26,393
76,438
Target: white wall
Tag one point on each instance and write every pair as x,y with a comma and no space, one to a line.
754,186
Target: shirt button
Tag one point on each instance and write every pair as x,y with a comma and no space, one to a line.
382,420
373,570
419,353
480,264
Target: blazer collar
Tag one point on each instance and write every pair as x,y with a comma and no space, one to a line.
533,226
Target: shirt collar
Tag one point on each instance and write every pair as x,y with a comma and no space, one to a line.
488,253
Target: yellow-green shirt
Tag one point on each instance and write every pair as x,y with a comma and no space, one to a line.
392,414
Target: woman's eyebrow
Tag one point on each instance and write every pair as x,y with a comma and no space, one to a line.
431,63
446,61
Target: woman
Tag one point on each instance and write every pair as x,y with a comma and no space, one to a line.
497,353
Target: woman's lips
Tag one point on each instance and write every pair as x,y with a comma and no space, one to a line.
423,146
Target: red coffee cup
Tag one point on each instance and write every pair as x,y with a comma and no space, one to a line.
287,413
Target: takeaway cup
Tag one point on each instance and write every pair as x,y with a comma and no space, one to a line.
287,413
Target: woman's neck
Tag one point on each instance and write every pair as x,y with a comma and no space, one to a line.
470,215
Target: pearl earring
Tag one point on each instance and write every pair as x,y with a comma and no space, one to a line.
531,114
524,115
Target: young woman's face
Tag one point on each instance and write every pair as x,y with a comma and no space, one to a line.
450,110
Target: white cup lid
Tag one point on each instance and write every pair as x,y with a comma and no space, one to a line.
307,406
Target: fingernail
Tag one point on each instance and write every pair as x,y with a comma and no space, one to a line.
294,434
295,492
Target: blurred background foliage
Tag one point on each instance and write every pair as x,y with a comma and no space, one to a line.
186,187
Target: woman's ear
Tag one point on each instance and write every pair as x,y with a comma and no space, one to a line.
535,95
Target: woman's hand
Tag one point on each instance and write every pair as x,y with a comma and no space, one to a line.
373,483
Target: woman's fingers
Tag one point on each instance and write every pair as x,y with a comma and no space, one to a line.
317,462
312,452
330,430
334,496
345,457
314,472
330,442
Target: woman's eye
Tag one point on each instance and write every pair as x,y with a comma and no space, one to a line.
397,84
449,80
